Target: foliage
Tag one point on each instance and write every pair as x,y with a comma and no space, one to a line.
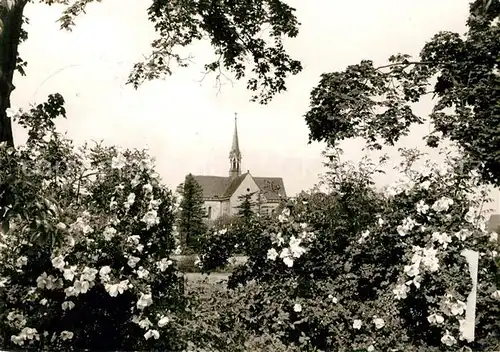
246,207
219,322
462,72
191,215
354,269
223,221
85,247
247,38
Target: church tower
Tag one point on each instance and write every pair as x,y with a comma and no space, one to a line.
235,154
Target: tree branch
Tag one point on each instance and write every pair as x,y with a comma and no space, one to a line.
409,63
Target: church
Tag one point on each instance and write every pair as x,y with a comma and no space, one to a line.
221,193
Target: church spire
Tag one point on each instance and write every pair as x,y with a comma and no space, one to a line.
235,154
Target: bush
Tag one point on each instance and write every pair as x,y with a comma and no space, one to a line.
85,248
355,269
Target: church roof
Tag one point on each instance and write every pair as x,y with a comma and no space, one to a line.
494,222
213,186
272,188
219,187
235,148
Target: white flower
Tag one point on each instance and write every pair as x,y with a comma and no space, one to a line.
66,335
88,274
151,219
48,282
142,273
429,259
132,261
81,286
109,233
435,319
379,322
278,239
425,185
422,208
115,289
412,270
17,340
370,348
13,112
401,291
4,281
134,239
297,307
442,238
334,299
393,190
58,262
493,237
458,308
178,250
462,234
104,272
69,274
407,225
295,248
70,291
145,323
381,222
118,162
67,305
148,188
71,241
164,264
163,321
28,334
447,339
152,333
364,235
21,261
272,254
135,181
442,204
288,261
283,217
130,200
43,301
144,301
357,324
496,295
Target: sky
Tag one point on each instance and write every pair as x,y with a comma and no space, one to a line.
187,123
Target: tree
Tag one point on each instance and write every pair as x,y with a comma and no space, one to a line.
375,102
191,222
91,220
246,208
234,30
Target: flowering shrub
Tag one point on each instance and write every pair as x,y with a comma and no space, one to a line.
85,248
355,269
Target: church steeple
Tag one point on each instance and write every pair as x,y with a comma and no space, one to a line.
235,154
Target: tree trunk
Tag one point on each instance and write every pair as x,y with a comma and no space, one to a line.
11,20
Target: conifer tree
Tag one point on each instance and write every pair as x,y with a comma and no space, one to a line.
246,208
191,218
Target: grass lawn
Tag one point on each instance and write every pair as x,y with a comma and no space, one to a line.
198,281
